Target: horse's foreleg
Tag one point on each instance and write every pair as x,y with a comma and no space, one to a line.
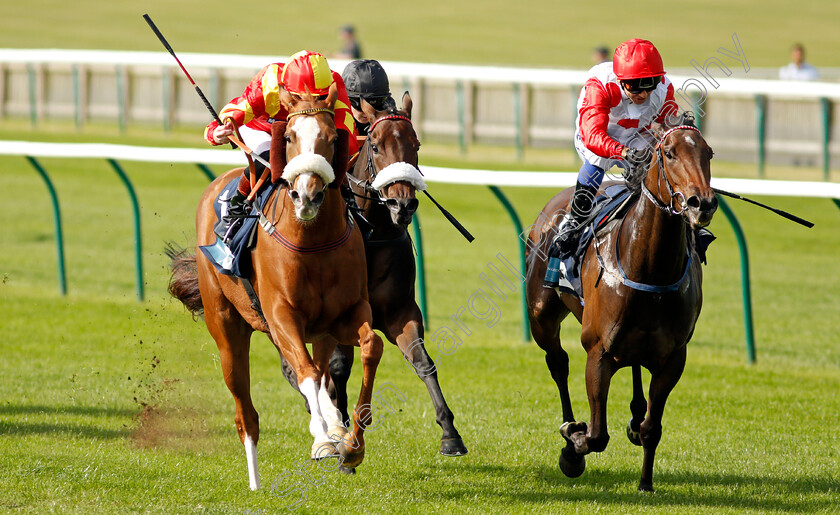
407,333
599,372
287,334
341,363
352,447
323,349
661,384
638,407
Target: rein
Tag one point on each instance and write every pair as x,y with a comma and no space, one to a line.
668,210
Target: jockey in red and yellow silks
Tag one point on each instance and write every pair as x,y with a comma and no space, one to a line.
253,112
616,107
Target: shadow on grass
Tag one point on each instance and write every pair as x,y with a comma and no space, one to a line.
682,490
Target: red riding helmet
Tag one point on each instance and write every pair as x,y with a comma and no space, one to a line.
637,59
307,72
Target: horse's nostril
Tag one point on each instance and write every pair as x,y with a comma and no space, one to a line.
693,202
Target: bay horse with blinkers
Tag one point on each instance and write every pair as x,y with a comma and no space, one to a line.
641,283
385,179
307,293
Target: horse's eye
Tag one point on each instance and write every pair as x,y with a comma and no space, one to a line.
374,148
669,155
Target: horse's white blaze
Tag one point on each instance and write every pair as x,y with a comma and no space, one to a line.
307,132
251,456
328,409
317,424
690,141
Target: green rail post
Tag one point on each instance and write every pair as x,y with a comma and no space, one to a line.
462,114
206,170
168,85
59,238
33,94
745,278
836,202
698,118
421,268
526,324
825,105
77,95
138,242
122,116
761,131
517,114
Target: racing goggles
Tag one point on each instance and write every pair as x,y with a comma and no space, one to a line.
378,103
636,86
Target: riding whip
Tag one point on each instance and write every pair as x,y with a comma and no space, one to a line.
451,219
800,221
189,77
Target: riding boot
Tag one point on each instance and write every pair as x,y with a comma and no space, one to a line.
569,231
350,199
238,209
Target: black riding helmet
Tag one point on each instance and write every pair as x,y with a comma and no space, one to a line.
365,78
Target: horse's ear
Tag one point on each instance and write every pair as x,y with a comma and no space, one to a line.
657,130
332,96
407,104
368,109
286,99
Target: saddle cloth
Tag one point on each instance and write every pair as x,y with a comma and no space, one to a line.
612,204
234,259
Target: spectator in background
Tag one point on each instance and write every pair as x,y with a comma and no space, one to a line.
798,69
350,47
600,54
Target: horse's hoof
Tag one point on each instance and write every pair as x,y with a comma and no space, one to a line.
452,447
345,470
567,429
323,450
634,436
351,458
337,433
645,486
571,463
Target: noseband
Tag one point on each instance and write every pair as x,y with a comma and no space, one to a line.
667,208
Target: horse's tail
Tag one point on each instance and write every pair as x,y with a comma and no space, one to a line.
183,284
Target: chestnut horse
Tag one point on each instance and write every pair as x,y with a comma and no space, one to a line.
390,152
307,294
641,283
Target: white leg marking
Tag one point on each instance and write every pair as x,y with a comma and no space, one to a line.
317,424
330,412
253,469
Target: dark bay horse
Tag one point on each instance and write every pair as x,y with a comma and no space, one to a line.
306,292
384,179
641,282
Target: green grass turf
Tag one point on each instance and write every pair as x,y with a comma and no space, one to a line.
110,405
539,33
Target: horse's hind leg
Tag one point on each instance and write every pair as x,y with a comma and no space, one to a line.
545,315
638,407
406,330
661,384
233,337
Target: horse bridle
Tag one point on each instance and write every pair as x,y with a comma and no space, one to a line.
669,207
370,168
307,112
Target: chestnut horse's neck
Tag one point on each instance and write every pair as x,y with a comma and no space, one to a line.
652,241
